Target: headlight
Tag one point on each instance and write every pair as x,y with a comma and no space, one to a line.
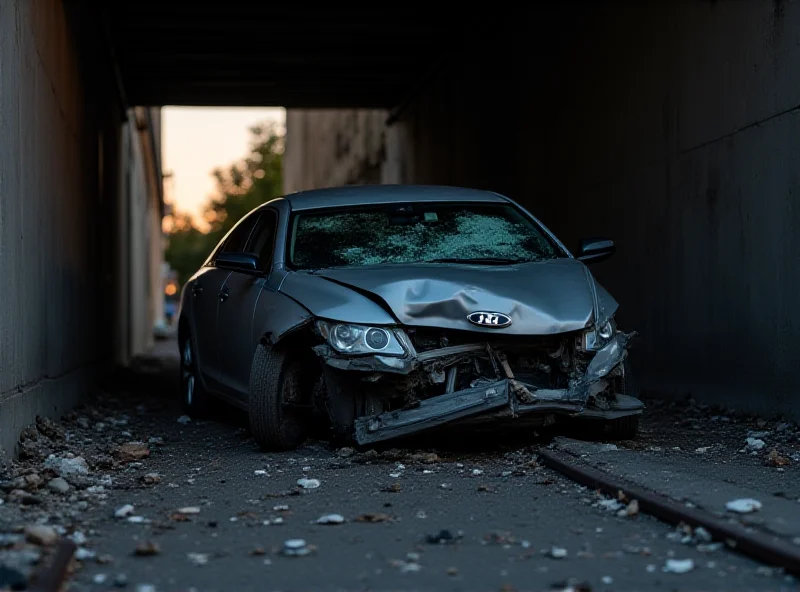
595,339
347,338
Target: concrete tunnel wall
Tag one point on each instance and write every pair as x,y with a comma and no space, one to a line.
672,128
63,201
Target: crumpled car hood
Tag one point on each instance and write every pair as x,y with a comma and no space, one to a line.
541,298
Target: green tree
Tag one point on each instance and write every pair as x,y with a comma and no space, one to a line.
240,188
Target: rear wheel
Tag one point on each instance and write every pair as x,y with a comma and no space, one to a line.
277,391
193,396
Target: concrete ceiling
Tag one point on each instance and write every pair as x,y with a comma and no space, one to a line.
248,53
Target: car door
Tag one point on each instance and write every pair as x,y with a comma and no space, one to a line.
206,289
239,301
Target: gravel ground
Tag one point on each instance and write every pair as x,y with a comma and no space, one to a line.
211,512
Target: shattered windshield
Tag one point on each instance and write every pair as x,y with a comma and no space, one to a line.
416,233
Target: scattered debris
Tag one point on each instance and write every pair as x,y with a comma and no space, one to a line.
330,519
374,517
426,457
297,548
557,553
124,511
774,459
147,549
58,485
67,466
632,509
743,506
197,558
151,478
132,452
41,535
189,510
755,444
308,483
184,419
678,566
443,537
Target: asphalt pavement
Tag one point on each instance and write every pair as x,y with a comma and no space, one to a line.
206,510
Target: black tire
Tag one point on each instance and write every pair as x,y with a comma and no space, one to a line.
274,378
194,398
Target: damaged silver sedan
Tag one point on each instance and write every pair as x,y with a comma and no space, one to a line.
381,312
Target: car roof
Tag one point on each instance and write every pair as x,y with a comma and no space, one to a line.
359,195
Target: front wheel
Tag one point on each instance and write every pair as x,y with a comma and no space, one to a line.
277,390
194,398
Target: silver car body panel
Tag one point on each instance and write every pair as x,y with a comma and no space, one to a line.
542,298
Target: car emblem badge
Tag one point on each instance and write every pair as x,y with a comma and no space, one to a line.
482,318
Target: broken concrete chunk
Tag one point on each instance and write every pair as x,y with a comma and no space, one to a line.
132,452
41,535
65,467
151,478
58,485
124,511
755,443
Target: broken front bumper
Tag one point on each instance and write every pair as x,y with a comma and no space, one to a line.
505,398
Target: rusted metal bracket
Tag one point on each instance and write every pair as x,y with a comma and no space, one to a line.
768,549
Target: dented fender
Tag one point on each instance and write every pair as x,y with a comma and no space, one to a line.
280,316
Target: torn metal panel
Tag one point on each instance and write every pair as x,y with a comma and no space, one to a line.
431,413
497,392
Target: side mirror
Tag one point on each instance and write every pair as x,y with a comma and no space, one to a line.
592,250
246,261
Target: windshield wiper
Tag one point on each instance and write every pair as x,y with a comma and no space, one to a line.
478,260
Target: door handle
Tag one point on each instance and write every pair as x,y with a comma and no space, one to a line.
196,289
223,294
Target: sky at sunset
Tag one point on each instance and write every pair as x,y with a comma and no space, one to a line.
197,140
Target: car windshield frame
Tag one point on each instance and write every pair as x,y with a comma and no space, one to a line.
535,225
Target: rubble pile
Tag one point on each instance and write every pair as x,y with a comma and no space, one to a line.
63,470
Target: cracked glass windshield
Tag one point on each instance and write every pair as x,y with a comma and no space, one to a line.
414,233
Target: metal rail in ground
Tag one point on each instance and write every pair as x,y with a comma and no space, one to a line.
52,578
768,549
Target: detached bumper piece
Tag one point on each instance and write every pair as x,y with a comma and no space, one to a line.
504,399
